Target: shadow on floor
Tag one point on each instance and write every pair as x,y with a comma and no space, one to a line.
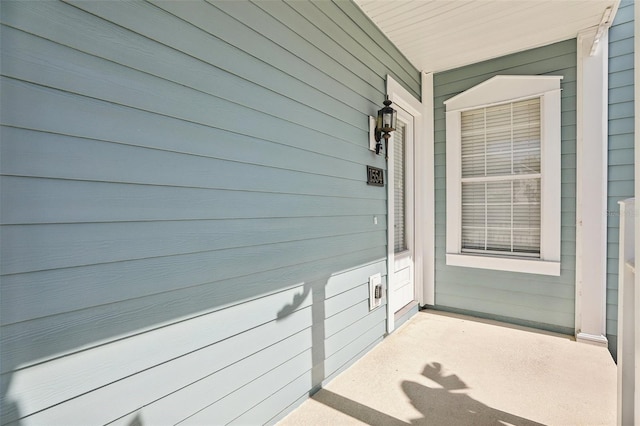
444,405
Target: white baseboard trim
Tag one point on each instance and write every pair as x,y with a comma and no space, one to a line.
592,339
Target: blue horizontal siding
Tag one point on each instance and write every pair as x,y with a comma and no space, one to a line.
186,227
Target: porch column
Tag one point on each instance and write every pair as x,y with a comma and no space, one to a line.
591,187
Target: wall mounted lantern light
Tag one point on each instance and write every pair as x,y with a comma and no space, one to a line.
385,124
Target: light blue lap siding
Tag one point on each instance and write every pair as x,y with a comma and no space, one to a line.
186,229
540,301
621,151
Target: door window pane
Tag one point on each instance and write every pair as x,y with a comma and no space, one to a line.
399,182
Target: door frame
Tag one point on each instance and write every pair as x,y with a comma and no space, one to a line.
422,214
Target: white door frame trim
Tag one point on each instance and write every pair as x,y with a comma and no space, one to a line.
591,188
425,180
405,100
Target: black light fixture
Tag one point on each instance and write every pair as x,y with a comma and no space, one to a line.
385,124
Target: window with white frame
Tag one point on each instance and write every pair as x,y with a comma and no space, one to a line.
503,175
500,167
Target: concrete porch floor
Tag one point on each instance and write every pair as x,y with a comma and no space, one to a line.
447,369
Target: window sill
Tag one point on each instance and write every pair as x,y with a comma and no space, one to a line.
526,266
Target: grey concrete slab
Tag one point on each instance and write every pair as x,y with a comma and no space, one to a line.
447,369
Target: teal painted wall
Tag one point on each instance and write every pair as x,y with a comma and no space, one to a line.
187,233
537,300
621,152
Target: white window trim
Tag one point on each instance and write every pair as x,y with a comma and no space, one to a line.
497,90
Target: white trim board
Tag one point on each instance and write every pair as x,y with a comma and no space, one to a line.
425,199
501,88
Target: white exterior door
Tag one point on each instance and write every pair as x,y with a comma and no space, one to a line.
401,213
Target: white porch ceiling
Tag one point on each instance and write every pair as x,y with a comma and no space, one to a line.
436,35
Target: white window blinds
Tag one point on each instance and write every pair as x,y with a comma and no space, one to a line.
501,179
399,181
